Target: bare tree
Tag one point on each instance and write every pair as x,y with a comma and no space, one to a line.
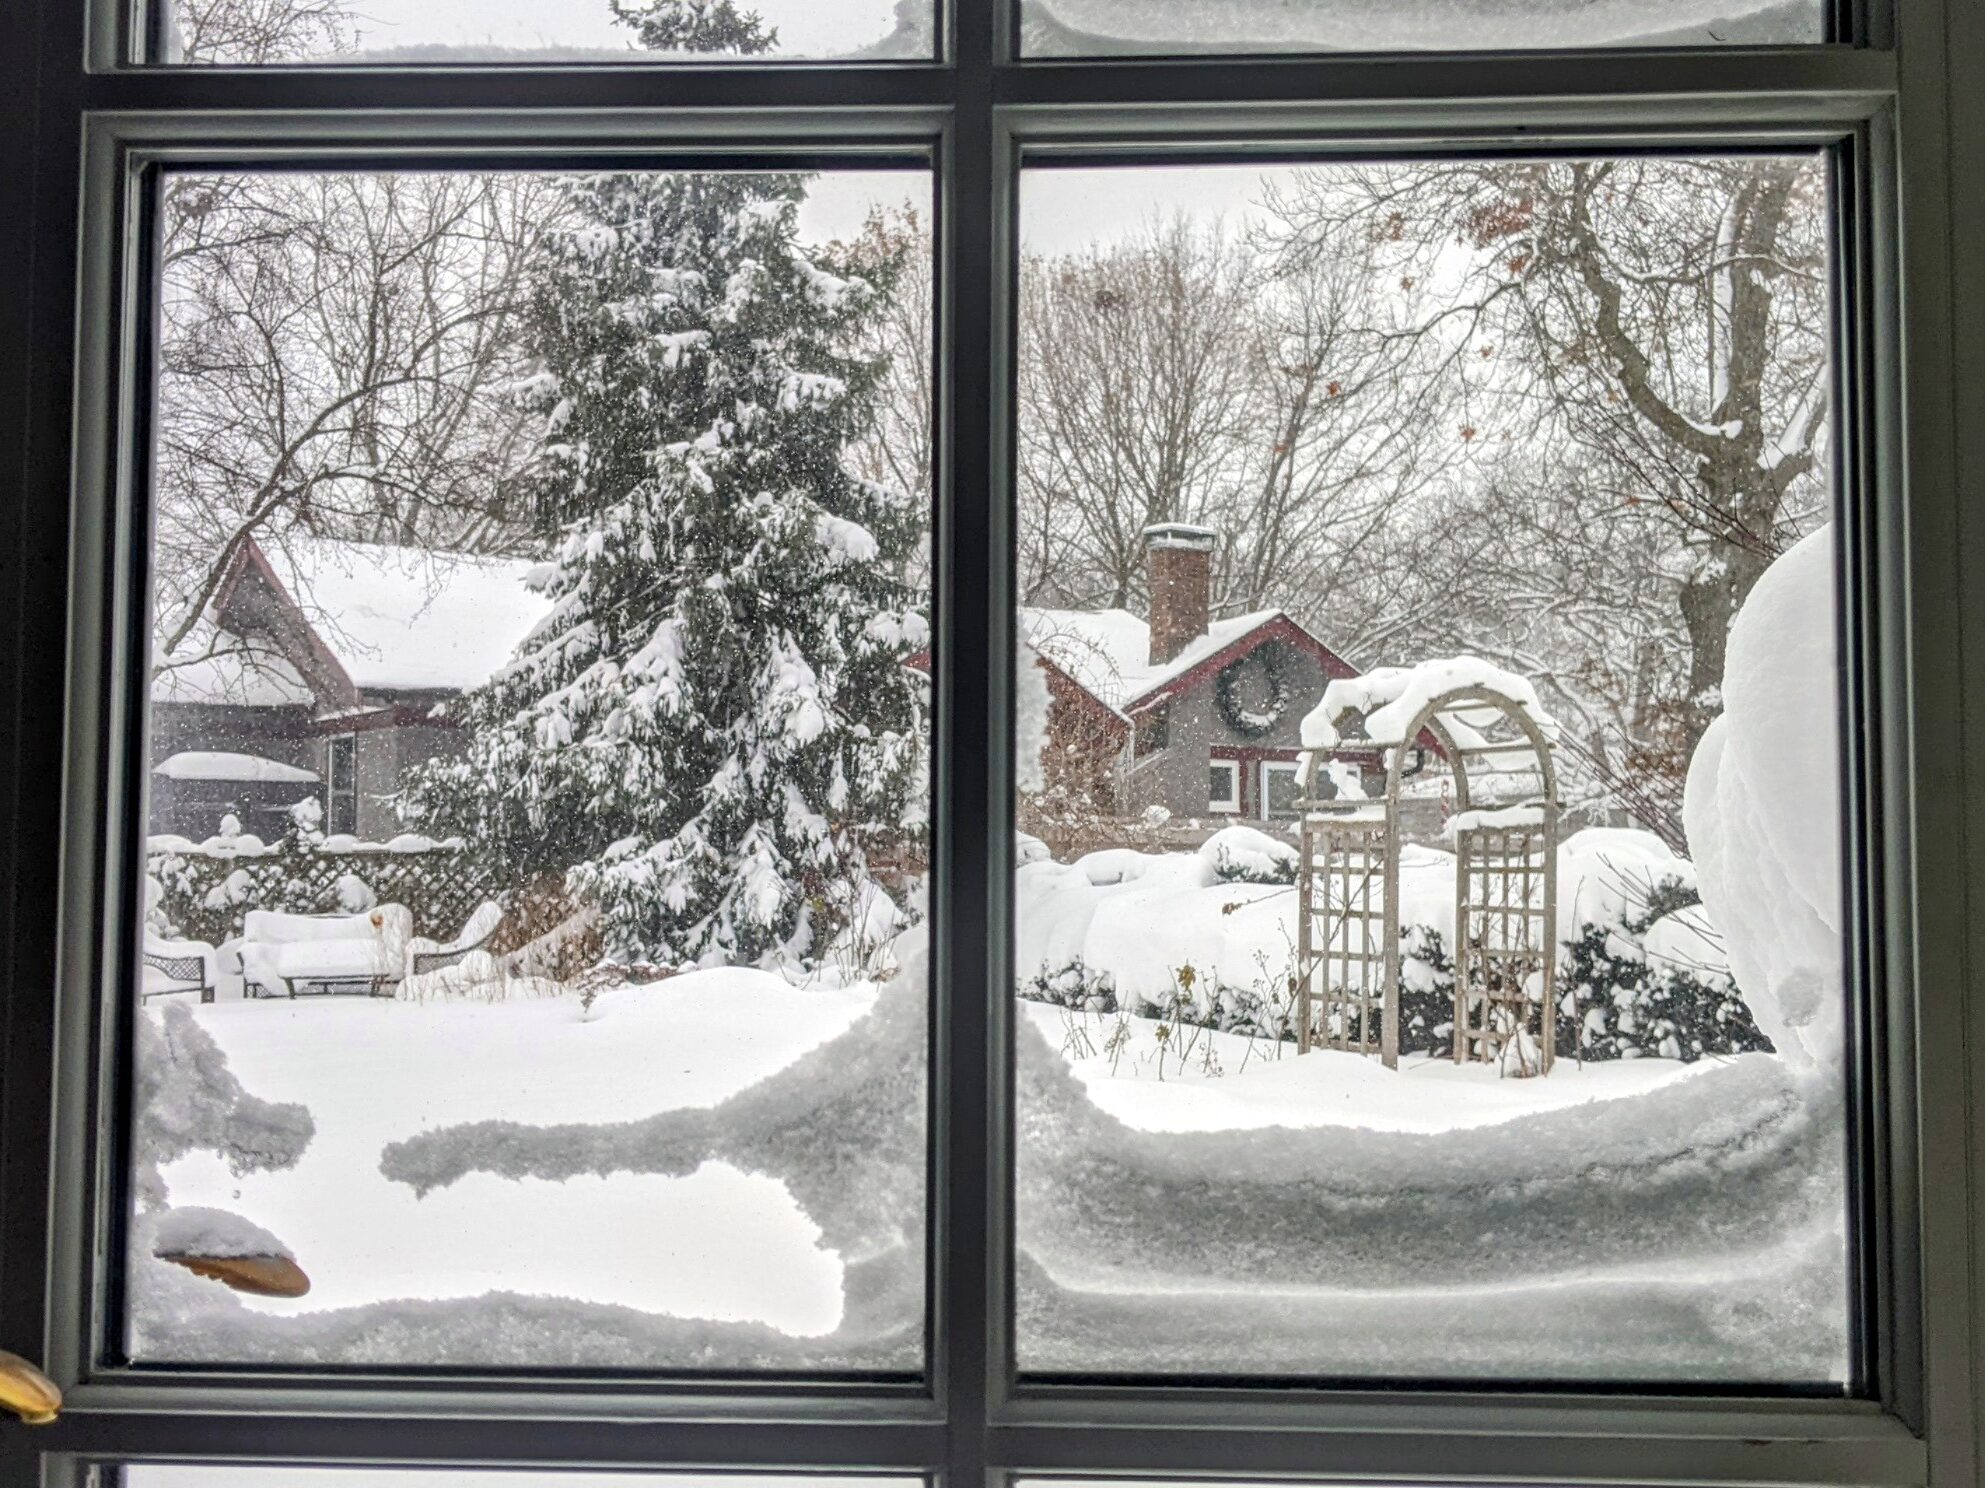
335,356
1133,384
248,33
896,451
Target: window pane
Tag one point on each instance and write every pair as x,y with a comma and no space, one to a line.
1099,28
259,33
1481,510
537,788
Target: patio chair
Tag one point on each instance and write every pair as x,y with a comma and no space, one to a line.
476,933
177,968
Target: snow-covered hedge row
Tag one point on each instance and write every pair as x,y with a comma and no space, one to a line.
1209,939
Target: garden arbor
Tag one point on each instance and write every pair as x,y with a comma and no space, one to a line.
1504,830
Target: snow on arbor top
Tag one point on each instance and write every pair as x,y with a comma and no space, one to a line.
410,619
1109,651
217,764
1390,698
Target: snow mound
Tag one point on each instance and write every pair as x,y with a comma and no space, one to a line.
1763,814
1245,855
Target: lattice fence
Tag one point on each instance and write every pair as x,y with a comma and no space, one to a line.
205,898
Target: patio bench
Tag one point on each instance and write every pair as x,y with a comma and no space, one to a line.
292,954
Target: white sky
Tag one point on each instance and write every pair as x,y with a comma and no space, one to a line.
806,27
1064,208
838,201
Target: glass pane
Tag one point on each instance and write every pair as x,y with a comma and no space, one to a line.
434,33
1099,28
536,798
1482,511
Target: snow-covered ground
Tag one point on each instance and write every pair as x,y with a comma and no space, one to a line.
717,1243
1200,1080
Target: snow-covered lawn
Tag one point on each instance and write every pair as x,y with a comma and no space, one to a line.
718,1243
1200,1080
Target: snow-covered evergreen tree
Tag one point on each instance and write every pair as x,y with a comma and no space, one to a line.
696,26
715,723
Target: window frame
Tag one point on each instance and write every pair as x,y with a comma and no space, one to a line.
1230,803
1912,325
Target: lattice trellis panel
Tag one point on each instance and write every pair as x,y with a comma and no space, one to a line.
1344,927
1505,953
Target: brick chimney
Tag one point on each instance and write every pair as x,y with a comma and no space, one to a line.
1181,567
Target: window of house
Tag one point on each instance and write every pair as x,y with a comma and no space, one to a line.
1280,784
1223,791
341,783
654,417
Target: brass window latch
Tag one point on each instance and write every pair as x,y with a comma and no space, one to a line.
26,1391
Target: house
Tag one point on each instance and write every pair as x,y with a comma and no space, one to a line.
1196,715
315,671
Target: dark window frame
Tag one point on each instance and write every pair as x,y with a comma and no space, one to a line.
1911,324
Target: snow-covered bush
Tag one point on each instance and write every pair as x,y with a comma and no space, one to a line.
1244,855
1619,997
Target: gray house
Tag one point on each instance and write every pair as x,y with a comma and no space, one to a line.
315,672
1197,715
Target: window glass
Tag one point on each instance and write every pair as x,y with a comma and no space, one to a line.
1485,506
1101,28
573,530
256,33
1224,787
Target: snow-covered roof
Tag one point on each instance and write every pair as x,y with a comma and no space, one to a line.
1109,651
211,667
219,764
409,619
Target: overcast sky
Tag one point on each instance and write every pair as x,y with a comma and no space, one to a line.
806,27
1061,210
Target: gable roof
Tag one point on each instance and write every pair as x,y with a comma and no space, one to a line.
306,619
408,619
1109,651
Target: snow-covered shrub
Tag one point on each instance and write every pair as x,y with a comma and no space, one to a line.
1244,855
1620,1000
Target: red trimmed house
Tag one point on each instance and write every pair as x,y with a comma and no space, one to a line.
1197,715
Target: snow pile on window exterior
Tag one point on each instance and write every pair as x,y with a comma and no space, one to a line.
1102,27
1390,698
827,1151
199,1231
1762,810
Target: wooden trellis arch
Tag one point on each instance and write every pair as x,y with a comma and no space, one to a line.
1505,832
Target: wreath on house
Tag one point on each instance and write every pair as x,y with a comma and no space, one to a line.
1252,723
